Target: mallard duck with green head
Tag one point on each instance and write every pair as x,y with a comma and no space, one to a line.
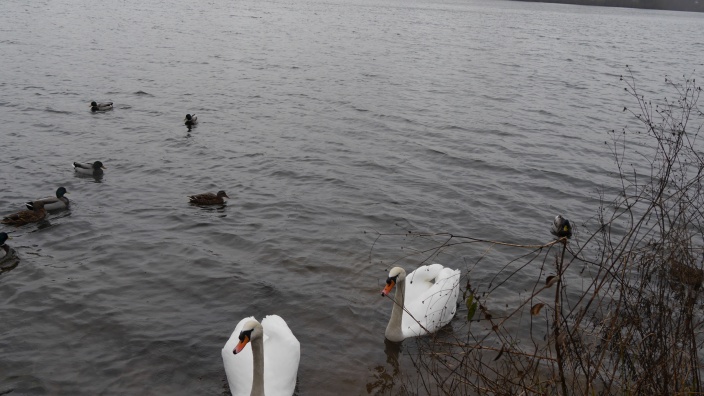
37,213
561,227
4,249
8,255
84,168
53,203
190,120
100,106
209,198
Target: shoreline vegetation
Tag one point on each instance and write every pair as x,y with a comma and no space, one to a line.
616,305
668,5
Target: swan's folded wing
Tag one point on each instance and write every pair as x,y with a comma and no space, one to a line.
420,280
432,306
442,297
238,368
282,354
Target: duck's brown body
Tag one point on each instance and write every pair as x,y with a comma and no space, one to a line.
209,198
27,216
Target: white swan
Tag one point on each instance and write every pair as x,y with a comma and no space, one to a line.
429,293
269,366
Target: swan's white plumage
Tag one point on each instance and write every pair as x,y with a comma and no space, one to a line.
431,293
282,353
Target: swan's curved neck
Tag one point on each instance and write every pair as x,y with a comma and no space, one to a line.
394,332
258,360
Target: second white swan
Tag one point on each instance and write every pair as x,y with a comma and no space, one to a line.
429,294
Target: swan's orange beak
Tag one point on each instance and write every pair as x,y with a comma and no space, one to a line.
241,344
390,283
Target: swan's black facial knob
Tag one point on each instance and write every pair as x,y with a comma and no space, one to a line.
245,336
390,283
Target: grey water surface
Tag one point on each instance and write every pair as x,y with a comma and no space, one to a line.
326,122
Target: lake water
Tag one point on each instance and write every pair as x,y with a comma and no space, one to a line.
326,122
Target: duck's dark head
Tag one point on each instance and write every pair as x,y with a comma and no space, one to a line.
98,165
60,192
93,104
189,117
222,194
3,237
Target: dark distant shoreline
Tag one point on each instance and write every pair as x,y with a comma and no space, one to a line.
671,5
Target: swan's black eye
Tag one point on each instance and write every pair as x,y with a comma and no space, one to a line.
391,279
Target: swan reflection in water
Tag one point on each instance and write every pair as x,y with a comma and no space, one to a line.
384,376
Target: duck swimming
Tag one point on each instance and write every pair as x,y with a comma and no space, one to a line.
102,106
53,203
561,227
95,169
37,213
190,120
4,249
8,256
209,198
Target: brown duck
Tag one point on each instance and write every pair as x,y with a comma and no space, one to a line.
38,213
209,198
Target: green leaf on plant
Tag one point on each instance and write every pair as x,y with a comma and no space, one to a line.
471,306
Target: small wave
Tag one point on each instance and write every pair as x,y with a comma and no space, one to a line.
50,110
495,98
142,93
452,128
64,93
437,151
